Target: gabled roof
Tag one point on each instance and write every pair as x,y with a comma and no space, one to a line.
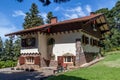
85,20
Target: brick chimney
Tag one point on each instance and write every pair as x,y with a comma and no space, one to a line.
92,13
53,20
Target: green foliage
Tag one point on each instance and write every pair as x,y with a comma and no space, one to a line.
49,16
32,18
8,50
8,63
1,45
11,49
16,49
112,42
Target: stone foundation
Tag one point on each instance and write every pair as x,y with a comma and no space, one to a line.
80,59
53,63
91,56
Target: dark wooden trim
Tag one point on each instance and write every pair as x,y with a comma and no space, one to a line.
104,31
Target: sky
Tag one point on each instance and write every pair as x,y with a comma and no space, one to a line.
12,13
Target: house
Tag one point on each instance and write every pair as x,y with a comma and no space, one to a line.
70,42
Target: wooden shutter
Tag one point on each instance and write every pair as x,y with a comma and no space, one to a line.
37,60
21,60
60,60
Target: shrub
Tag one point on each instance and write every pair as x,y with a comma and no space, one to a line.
8,63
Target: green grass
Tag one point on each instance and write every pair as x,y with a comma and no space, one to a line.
104,70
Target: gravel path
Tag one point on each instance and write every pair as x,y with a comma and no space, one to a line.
8,74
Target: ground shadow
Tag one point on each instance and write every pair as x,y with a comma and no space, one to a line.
65,77
24,75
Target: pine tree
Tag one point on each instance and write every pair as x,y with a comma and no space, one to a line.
8,49
49,16
33,19
1,48
16,49
1,45
112,42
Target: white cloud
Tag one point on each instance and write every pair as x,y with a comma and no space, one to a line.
74,12
44,15
6,30
6,26
71,16
88,8
57,8
18,13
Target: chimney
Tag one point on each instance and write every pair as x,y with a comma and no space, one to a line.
53,20
92,13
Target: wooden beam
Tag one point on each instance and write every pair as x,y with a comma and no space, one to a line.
104,31
100,24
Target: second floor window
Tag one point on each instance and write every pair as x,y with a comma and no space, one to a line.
28,42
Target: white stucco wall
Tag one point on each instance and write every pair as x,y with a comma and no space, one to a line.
66,43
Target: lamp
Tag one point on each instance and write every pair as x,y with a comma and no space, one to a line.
94,27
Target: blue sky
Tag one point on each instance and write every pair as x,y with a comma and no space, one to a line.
12,13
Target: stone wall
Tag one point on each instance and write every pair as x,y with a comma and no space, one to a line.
81,60
91,56
53,63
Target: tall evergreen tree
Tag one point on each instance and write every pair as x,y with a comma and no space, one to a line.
16,49
49,16
33,18
113,17
8,50
1,48
1,45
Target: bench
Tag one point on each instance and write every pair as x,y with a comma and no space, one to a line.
60,69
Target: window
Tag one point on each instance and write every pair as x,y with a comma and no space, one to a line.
30,60
94,42
28,42
85,39
68,59
91,41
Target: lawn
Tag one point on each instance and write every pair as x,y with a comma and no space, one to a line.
107,69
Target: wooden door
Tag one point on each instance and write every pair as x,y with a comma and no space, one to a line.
60,60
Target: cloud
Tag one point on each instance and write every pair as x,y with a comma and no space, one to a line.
88,8
6,30
44,15
74,13
6,26
57,8
18,13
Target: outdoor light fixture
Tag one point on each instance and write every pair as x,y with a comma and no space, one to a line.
94,27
